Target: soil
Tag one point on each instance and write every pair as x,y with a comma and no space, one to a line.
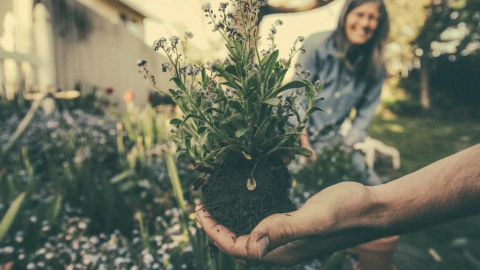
232,204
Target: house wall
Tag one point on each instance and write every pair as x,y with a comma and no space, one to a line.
94,51
5,7
117,12
88,49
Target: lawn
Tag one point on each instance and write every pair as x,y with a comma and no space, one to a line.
422,141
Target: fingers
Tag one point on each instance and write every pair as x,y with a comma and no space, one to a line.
272,232
221,236
269,242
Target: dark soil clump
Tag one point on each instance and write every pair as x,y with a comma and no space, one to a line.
232,204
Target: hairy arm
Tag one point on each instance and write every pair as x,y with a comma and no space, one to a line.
445,190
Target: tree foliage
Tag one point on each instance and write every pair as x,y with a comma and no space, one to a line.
452,28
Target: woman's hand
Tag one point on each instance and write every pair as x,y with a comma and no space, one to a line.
289,238
305,143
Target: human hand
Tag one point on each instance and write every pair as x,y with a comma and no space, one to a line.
305,143
326,223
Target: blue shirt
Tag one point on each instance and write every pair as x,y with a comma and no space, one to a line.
342,90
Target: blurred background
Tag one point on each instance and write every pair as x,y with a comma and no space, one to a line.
87,178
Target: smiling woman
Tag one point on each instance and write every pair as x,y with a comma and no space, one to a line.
361,23
350,62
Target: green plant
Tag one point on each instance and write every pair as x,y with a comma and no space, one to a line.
236,107
9,216
332,166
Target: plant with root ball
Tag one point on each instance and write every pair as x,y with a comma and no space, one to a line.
235,125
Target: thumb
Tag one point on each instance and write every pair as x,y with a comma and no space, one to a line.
272,232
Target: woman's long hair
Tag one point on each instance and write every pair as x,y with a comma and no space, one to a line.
369,59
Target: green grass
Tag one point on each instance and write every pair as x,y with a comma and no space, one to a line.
422,141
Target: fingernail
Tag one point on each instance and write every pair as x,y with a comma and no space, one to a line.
262,245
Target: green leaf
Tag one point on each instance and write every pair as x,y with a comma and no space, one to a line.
320,87
232,52
241,132
225,126
175,121
208,110
250,54
212,153
293,151
233,85
272,101
312,110
224,73
173,92
240,70
290,85
188,146
247,156
183,106
205,79
234,59
217,135
269,65
333,261
280,137
225,148
127,185
9,217
232,70
269,121
54,208
179,83
238,47
271,82
237,106
201,129
181,156
119,177
310,94
281,74
238,121
202,140
192,116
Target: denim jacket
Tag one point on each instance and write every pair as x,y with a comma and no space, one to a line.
342,90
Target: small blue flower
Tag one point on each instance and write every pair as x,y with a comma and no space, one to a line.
141,62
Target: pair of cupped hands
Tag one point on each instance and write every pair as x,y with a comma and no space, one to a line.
329,221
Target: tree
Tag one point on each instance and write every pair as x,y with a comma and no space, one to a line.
451,29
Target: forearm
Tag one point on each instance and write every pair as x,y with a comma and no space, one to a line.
445,190
347,214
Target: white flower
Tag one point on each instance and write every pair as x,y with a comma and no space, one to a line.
174,40
207,7
159,43
148,258
141,62
223,6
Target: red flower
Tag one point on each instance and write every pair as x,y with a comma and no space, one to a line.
129,96
108,90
